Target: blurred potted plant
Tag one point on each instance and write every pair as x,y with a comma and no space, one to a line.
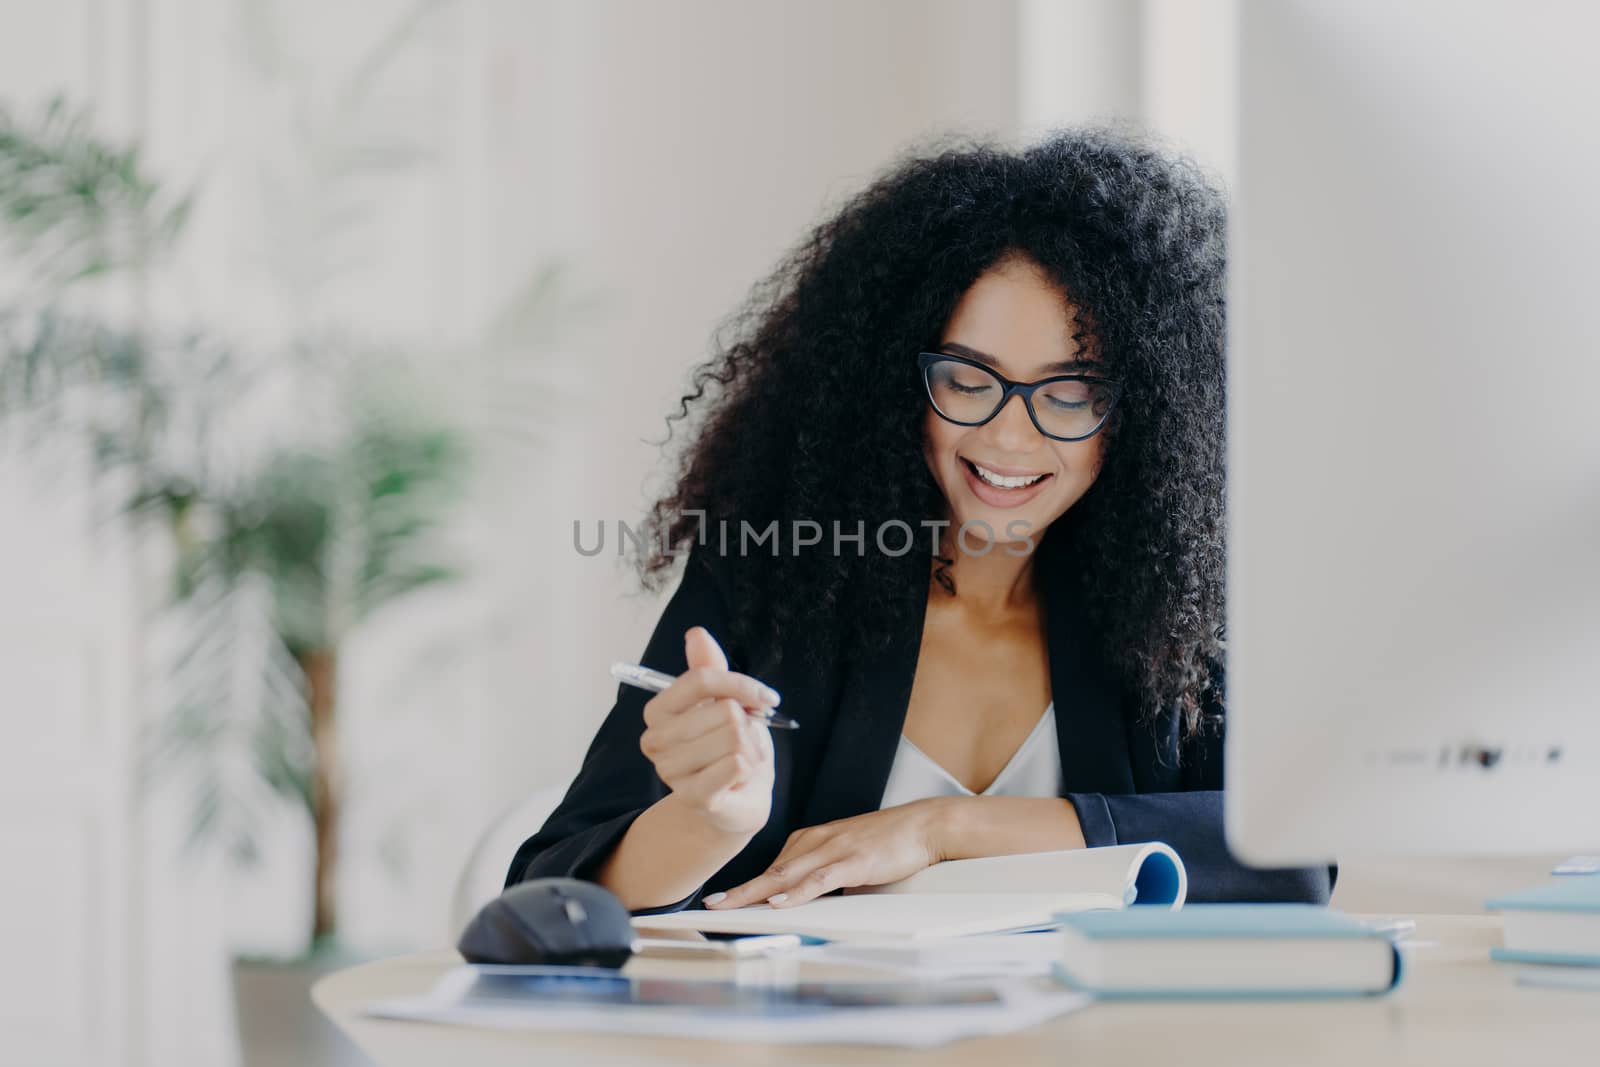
275,545
315,540
303,540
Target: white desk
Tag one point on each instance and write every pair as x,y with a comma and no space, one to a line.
1455,1007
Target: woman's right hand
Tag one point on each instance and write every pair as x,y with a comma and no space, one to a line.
714,756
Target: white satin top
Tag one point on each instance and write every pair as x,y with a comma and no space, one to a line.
1033,771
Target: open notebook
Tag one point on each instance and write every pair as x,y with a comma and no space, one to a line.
959,897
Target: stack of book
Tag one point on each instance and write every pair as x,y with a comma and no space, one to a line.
1557,923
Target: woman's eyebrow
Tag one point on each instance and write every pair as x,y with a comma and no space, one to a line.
1066,366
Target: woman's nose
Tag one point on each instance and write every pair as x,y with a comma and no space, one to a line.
1012,430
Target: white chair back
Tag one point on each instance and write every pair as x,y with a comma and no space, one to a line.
483,876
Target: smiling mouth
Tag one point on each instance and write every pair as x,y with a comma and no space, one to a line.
1002,481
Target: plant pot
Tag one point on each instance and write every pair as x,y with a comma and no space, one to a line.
279,1026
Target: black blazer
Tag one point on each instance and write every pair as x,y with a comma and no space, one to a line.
1123,776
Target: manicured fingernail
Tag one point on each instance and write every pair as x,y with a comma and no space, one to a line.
771,696
714,898
777,898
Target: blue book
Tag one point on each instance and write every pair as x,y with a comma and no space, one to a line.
1558,922
1226,951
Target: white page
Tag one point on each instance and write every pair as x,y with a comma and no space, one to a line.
1110,870
942,959
871,916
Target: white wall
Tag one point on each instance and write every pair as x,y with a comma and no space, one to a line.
1167,66
686,155
70,897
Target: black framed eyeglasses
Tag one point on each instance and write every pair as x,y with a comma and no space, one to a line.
1067,407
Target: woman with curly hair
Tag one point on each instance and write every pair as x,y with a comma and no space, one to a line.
956,491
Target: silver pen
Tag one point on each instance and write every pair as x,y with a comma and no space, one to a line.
654,681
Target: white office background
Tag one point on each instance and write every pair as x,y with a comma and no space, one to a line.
666,154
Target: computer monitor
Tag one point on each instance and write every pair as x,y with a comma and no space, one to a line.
1414,431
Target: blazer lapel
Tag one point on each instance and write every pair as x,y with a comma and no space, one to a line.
1089,722
866,728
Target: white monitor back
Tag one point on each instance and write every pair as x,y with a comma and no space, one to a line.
1414,431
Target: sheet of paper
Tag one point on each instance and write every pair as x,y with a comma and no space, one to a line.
978,956
770,1019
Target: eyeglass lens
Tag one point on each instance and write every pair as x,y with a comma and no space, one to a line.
968,394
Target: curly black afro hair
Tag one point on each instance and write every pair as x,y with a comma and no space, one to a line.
812,408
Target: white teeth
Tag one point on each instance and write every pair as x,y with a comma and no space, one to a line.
1003,482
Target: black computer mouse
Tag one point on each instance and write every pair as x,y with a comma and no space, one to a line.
551,920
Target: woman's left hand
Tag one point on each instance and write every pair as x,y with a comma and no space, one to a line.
871,849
